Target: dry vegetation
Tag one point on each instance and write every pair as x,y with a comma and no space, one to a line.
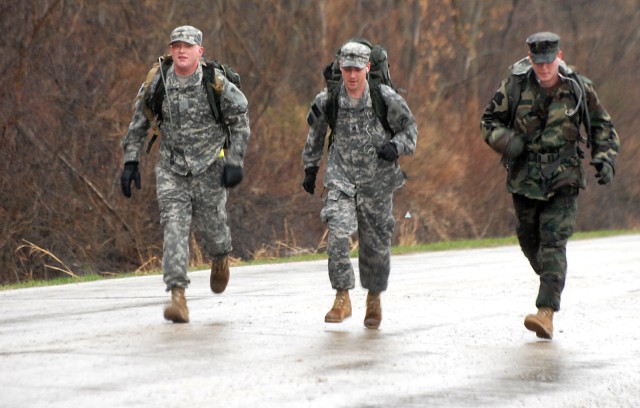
70,70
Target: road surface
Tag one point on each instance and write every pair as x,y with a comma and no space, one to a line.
452,335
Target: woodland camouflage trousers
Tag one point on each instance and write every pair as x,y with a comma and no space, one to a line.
543,229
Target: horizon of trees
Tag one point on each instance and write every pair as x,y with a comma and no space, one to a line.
71,69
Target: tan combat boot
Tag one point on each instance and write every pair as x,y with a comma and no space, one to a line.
373,317
177,312
341,308
219,274
541,322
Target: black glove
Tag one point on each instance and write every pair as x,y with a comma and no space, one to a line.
515,147
388,152
309,183
508,143
604,171
231,175
129,174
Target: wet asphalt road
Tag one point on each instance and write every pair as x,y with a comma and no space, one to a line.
451,336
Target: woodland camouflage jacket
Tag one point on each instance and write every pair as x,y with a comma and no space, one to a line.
552,156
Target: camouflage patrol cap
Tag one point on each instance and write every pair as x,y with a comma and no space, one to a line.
354,54
188,34
544,47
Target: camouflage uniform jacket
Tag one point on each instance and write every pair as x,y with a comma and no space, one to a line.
548,131
353,163
191,138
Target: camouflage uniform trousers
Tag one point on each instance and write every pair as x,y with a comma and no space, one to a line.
184,199
543,229
371,216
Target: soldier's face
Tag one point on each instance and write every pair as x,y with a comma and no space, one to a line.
547,74
354,80
185,57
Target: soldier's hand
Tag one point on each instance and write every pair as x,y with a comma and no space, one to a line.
309,183
131,173
388,152
604,171
231,175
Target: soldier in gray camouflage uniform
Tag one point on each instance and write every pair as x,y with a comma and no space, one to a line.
194,171
539,144
361,175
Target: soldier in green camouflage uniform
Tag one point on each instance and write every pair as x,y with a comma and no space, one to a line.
194,171
540,148
361,175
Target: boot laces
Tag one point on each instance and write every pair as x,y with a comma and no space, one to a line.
373,304
341,298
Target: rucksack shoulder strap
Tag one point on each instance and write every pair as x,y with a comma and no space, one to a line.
516,82
212,87
152,98
333,79
157,96
380,107
515,86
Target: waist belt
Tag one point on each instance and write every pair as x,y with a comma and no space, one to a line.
552,160
543,158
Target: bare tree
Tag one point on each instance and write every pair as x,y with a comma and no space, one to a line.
70,70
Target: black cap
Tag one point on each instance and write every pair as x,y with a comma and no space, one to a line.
544,47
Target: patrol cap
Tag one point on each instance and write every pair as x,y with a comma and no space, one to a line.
544,47
354,54
188,34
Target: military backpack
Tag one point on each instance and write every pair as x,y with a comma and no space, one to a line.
153,99
517,82
378,74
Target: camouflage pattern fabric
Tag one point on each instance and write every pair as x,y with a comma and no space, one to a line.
370,214
360,185
191,139
541,118
543,229
545,197
189,172
184,200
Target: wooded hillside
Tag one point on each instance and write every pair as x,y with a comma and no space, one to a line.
71,68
